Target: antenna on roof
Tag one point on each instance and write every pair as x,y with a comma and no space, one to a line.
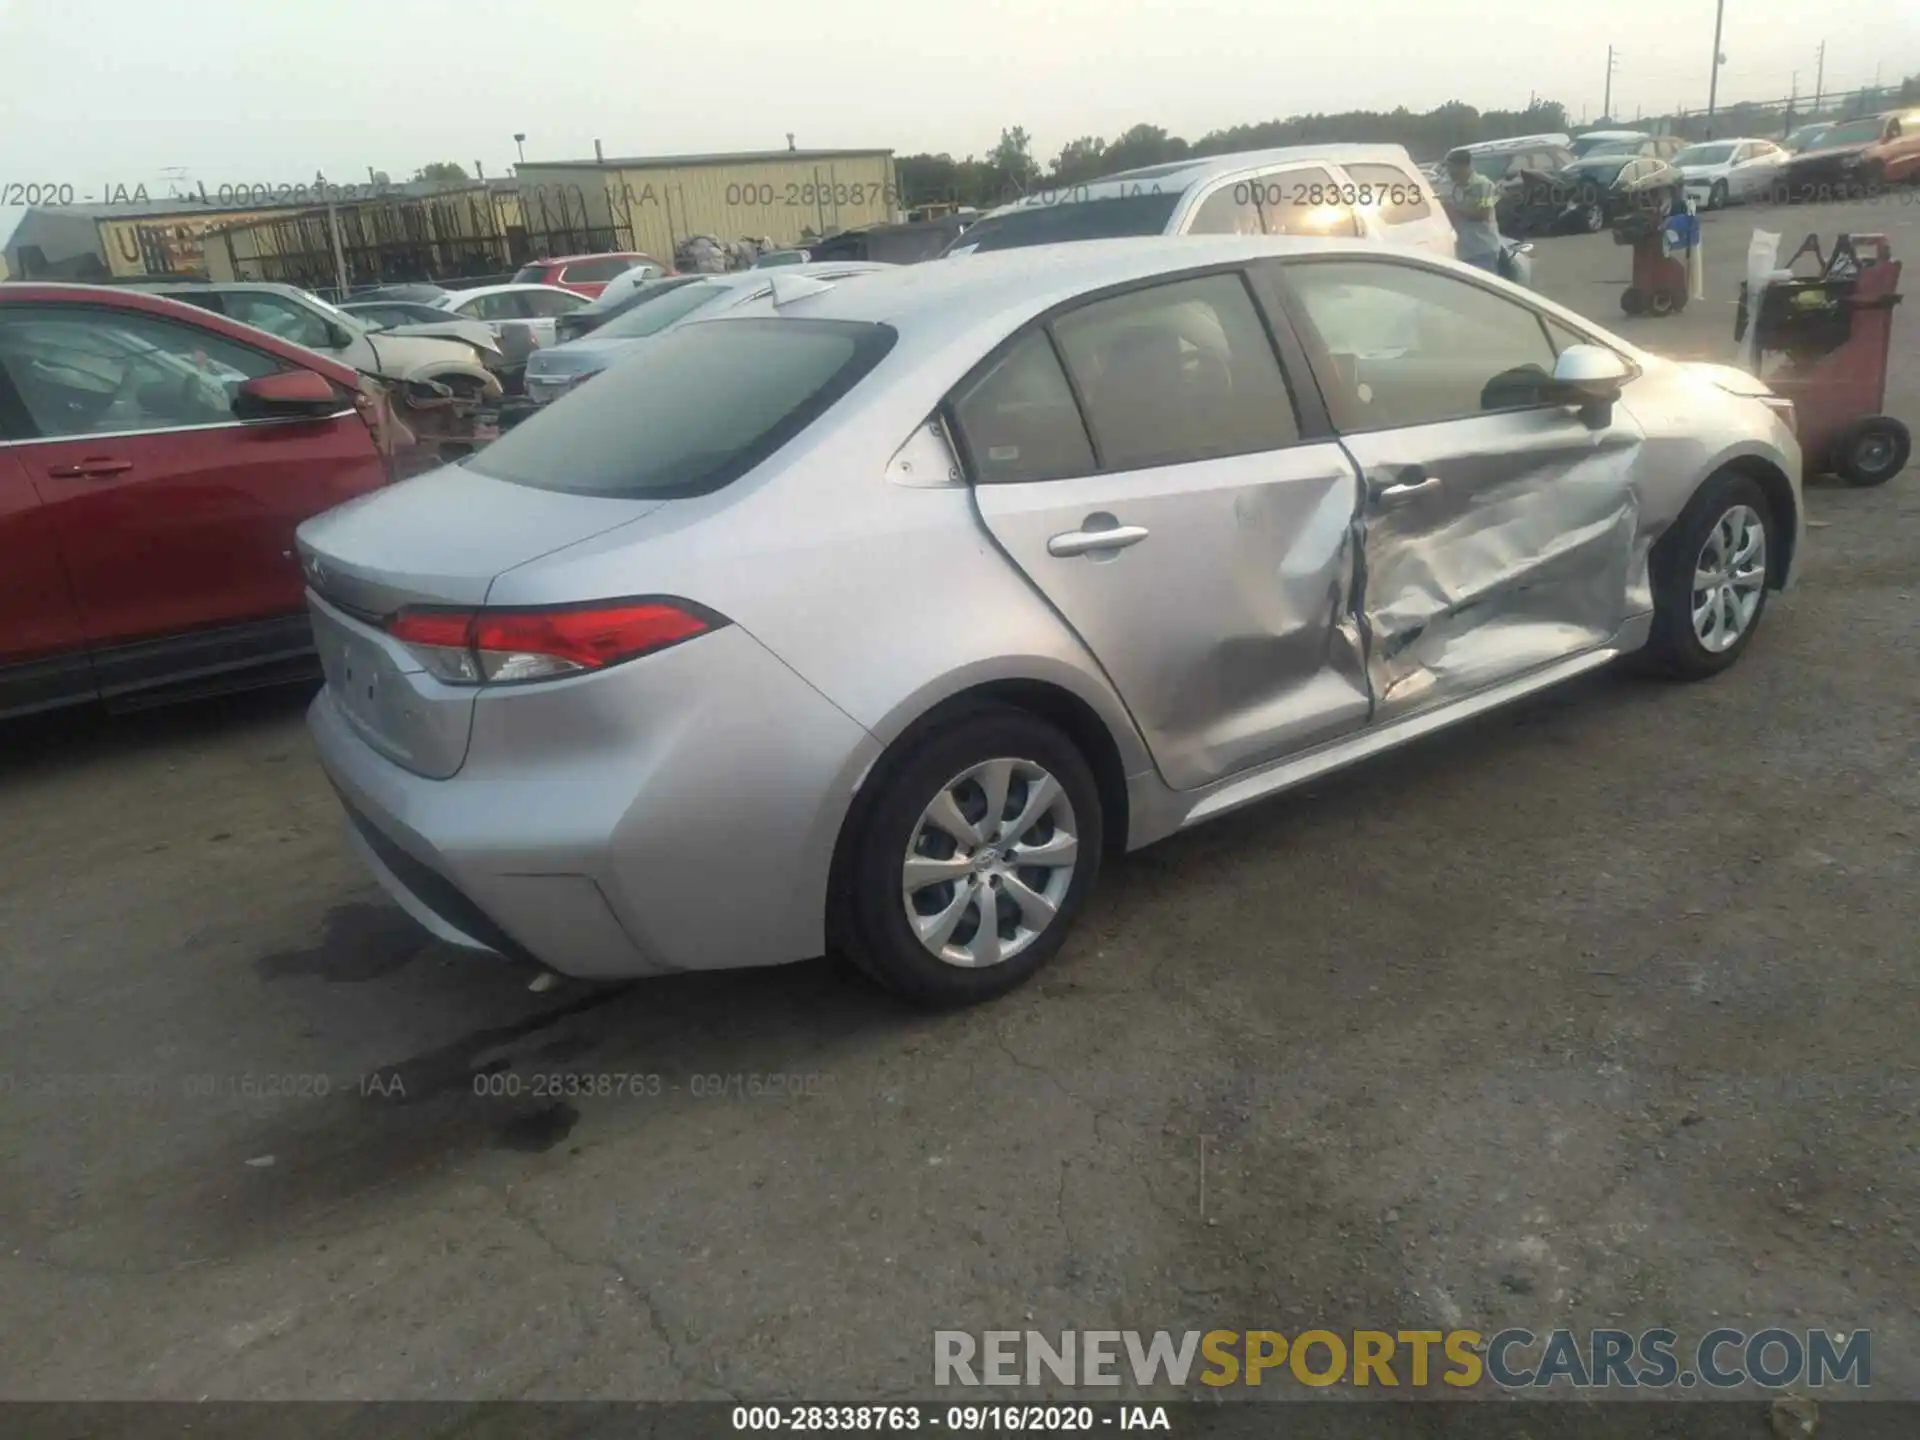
788,288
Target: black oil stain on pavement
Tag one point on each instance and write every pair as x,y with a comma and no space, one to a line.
538,1130
360,942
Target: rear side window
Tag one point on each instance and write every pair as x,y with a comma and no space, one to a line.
1396,194
1018,420
698,409
1230,210
1177,373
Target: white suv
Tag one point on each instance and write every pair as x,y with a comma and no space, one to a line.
1372,191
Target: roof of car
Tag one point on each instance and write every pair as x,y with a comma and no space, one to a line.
1175,177
589,255
152,303
453,296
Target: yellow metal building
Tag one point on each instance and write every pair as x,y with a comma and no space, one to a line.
780,195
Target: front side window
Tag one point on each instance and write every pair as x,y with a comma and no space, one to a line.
280,316
81,371
1409,346
1398,198
1018,419
1177,373
1140,211
692,413
1307,201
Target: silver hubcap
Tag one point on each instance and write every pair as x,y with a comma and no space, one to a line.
1873,453
990,862
1728,578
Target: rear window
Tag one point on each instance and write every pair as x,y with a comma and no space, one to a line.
530,275
690,413
1142,214
601,267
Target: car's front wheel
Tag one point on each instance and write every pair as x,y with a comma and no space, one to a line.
1710,573
971,859
1717,197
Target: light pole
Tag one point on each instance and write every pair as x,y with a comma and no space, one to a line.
1713,84
520,144
1606,105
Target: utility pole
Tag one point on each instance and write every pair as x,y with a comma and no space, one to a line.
1820,77
1713,85
1606,105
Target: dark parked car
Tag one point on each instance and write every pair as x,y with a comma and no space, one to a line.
422,292
615,302
155,459
890,244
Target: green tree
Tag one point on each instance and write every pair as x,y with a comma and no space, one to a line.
1013,163
1079,160
441,170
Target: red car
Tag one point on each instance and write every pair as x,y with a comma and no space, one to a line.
585,274
154,461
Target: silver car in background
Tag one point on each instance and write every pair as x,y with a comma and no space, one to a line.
552,372
872,615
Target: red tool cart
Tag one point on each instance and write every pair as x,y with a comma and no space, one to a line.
1834,330
1661,281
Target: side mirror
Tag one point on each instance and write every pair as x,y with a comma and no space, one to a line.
1592,377
287,395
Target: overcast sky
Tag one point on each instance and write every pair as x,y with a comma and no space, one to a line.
98,92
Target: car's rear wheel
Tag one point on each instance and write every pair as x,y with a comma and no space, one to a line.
1717,197
1872,450
971,859
1710,573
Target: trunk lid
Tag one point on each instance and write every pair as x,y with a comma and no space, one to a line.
441,540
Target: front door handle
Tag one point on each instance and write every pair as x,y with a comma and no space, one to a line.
1401,485
1095,542
90,469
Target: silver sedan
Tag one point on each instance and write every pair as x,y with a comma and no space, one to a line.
872,615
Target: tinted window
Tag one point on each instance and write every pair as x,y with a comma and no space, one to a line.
1230,210
502,306
1146,213
601,267
1410,346
1176,373
1397,195
530,274
80,371
1306,202
662,308
696,410
1018,420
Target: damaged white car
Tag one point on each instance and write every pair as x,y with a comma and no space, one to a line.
443,379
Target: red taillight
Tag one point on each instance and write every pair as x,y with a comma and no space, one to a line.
471,646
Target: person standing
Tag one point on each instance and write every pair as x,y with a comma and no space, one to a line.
1470,200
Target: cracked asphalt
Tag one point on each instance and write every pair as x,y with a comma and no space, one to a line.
1600,1012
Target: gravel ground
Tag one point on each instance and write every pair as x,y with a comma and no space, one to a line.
1597,1013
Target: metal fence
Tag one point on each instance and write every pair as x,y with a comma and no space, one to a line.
1771,119
469,237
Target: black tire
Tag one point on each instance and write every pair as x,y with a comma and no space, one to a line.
1673,649
1717,197
1871,451
870,923
1633,301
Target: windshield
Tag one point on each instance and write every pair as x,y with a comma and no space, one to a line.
1138,214
1602,172
1704,155
1854,132
657,311
1599,144
691,413
1803,139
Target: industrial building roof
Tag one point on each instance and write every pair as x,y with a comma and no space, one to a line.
662,162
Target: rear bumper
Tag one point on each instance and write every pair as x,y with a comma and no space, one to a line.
676,813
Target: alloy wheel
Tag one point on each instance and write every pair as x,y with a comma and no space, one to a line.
990,862
1729,578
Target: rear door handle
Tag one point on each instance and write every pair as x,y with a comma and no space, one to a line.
90,469
1095,542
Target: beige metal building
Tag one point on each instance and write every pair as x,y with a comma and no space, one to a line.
781,195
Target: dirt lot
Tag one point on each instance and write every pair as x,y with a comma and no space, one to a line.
1598,1013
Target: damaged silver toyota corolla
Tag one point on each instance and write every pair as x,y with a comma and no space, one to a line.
873,614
